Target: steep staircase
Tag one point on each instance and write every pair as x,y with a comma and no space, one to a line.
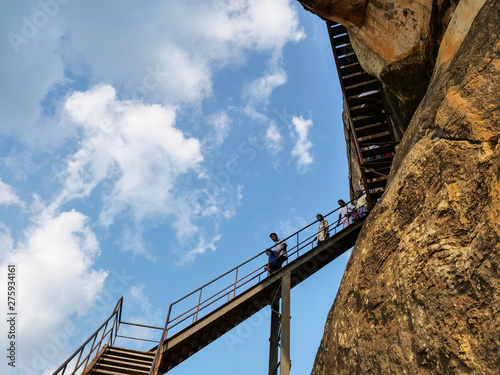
116,361
371,125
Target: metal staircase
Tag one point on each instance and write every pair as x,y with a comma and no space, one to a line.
115,361
371,125
207,313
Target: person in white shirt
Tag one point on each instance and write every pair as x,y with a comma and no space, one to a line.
345,213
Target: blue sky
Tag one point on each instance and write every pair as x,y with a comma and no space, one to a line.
148,147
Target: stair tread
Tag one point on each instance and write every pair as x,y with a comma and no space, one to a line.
107,372
133,352
122,360
100,365
374,136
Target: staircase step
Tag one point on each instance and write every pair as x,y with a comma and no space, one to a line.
120,361
344,50
348,59
130,353
373,128
338,29
376,182
356,79
108,372
348,70
375,138
366,109
382,149
360,122
340,40
127,359
121,369
373,97
366,87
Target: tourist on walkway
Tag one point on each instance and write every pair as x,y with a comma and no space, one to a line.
361,204
345,212
323,233
276,256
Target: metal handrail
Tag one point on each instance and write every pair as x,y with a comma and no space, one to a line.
115,316
230,291
108,332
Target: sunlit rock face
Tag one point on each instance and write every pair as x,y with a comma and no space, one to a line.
395,40
421,292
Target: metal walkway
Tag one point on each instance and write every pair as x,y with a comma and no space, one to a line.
207,313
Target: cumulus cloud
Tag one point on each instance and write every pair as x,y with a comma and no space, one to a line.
165,60
133,145
301,150
55,277
136,157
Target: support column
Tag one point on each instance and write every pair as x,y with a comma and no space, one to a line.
285,325
274,337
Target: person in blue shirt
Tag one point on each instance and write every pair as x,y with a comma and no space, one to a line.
276,256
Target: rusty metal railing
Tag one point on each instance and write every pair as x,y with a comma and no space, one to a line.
303,241
241,280
105,335
85,353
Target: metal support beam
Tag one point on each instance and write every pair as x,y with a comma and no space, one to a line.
285,325
274,337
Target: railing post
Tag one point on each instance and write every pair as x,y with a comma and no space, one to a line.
298,245
195,316
156,361
235,282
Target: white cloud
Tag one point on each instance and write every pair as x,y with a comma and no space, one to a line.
7,195
135,155
164,60
55,278
134,146
260,90
221,124
273,139
201,248
301,151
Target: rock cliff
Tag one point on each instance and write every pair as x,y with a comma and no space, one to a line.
421,292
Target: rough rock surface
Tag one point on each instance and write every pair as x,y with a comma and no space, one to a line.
421,292
395,40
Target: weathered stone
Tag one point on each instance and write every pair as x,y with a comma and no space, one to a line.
396,41
349,13
421,292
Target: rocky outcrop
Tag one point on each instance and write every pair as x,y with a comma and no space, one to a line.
396,41
421,292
